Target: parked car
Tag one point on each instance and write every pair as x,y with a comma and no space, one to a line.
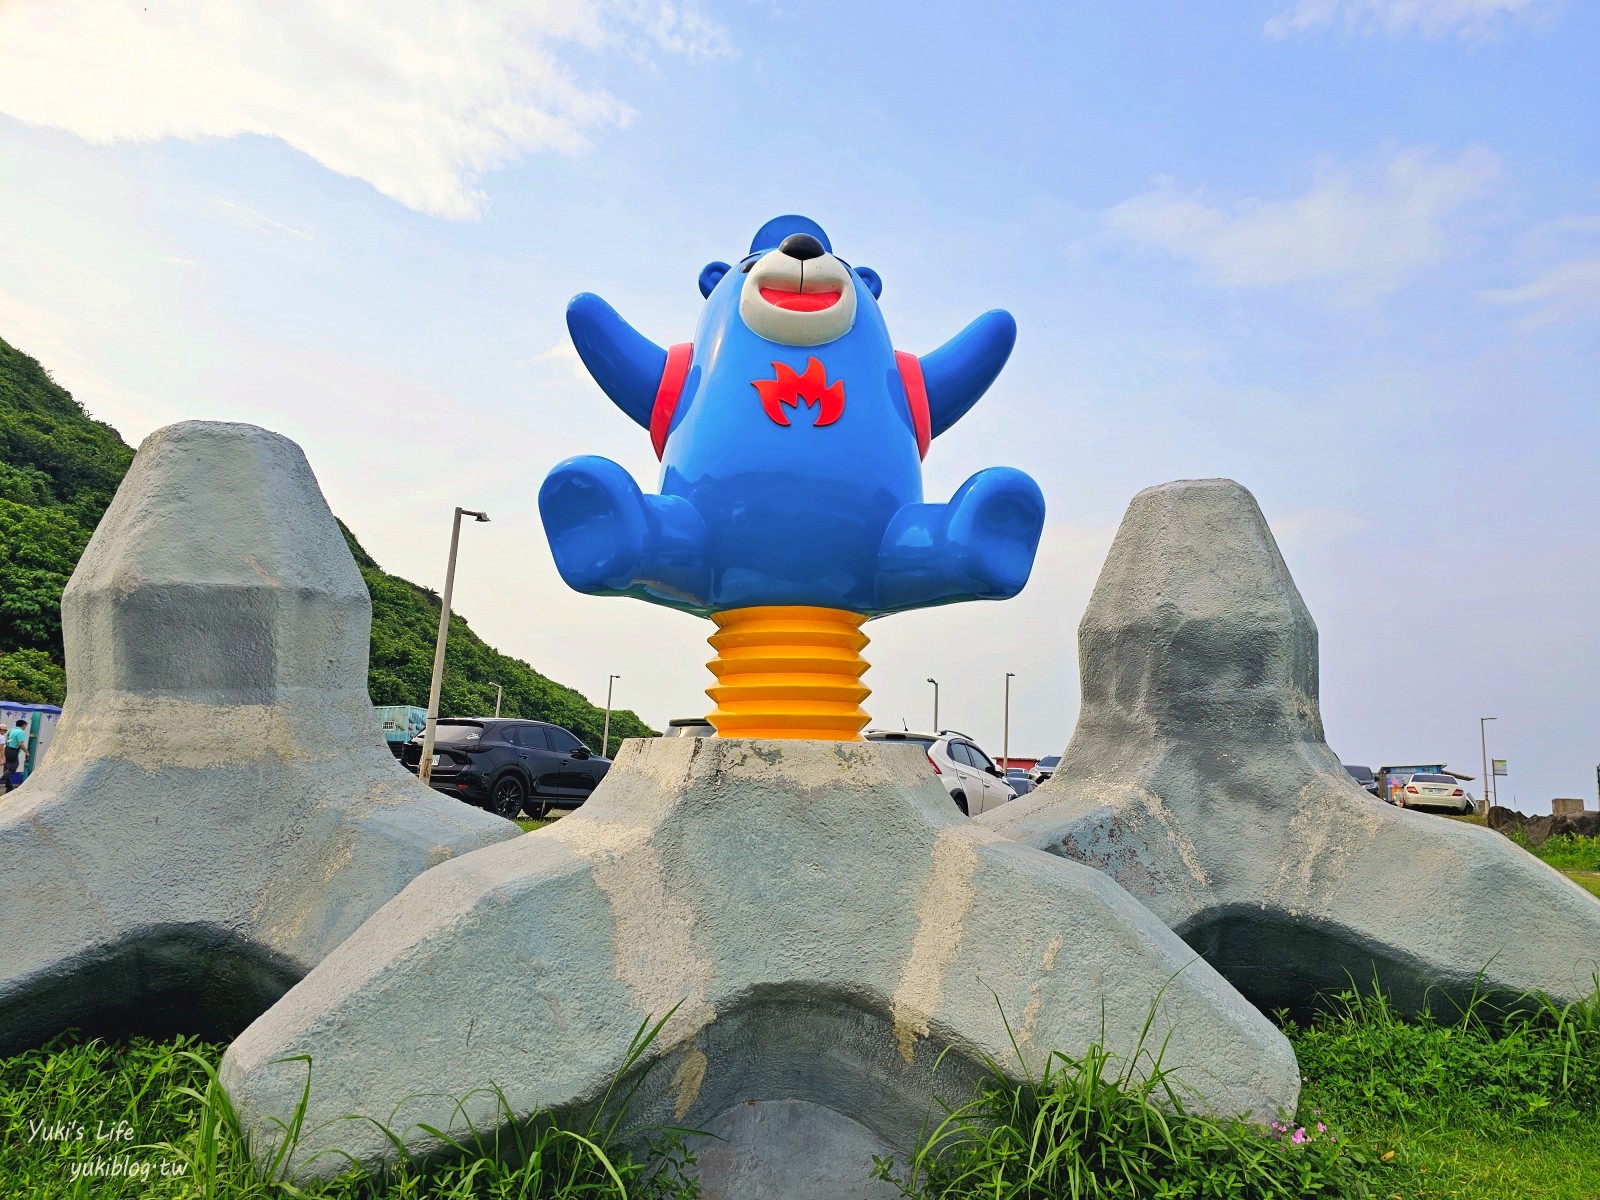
509,766
1017,777
1436,791
1363,776
690,727
968,774
1044,768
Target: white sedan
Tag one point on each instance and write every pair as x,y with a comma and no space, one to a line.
1436,791
968,774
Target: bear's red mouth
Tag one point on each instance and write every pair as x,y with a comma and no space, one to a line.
799,301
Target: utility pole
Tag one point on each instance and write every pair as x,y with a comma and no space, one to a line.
1005,727
935,683
605,738
1483,744
498,691
425,766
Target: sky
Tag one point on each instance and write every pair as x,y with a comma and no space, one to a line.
1346,252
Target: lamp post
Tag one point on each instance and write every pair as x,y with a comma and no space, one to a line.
425,766
498,692
1483,744
935,683
1005,727
605,738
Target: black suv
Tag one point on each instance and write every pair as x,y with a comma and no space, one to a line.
507,766
1363,776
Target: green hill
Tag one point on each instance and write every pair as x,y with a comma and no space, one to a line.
59,469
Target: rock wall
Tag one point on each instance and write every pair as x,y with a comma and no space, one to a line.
1540,829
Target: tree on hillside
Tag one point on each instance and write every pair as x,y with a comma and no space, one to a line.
59,469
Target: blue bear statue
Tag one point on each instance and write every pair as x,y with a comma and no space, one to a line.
791,436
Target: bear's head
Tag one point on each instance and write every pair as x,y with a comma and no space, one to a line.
791,288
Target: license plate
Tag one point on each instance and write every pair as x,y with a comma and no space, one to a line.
434,761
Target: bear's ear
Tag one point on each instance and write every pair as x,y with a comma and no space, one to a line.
711,276
870,278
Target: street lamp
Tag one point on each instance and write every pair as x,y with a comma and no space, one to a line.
935,683
1005,734
1483,744
425,766
498,692
605,738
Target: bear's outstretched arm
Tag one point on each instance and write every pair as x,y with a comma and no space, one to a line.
610,539
980,546
626,364
961,370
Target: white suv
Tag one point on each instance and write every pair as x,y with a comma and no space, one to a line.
968,774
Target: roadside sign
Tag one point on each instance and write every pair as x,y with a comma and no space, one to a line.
1499,765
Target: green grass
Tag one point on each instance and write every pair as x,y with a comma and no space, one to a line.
1097,1128
1494,1103
1484,1104
150,1119
1490,1103
1567,852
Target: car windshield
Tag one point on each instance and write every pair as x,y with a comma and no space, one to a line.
451,735
1362,773
1432,779
1049,761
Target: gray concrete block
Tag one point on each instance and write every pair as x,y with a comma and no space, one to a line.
819,921
1199,778
218,810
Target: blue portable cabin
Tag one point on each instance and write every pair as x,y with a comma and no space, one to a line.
41,720
401,723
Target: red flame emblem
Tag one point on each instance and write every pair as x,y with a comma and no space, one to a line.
812,387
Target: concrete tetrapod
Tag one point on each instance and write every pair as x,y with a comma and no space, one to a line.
218,810
820,922
1198,778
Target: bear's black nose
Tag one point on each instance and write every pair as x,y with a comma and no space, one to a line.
801,246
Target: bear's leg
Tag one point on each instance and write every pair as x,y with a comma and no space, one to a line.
610,539
979,546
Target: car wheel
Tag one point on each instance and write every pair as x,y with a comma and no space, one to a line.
960,799
508,796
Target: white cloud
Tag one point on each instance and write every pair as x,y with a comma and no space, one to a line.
418,97
1561,265
1568,291
1469,19
1356,234
563,356
251,219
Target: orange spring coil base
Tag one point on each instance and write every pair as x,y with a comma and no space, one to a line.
789,671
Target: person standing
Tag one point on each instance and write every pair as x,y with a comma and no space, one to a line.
16,740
